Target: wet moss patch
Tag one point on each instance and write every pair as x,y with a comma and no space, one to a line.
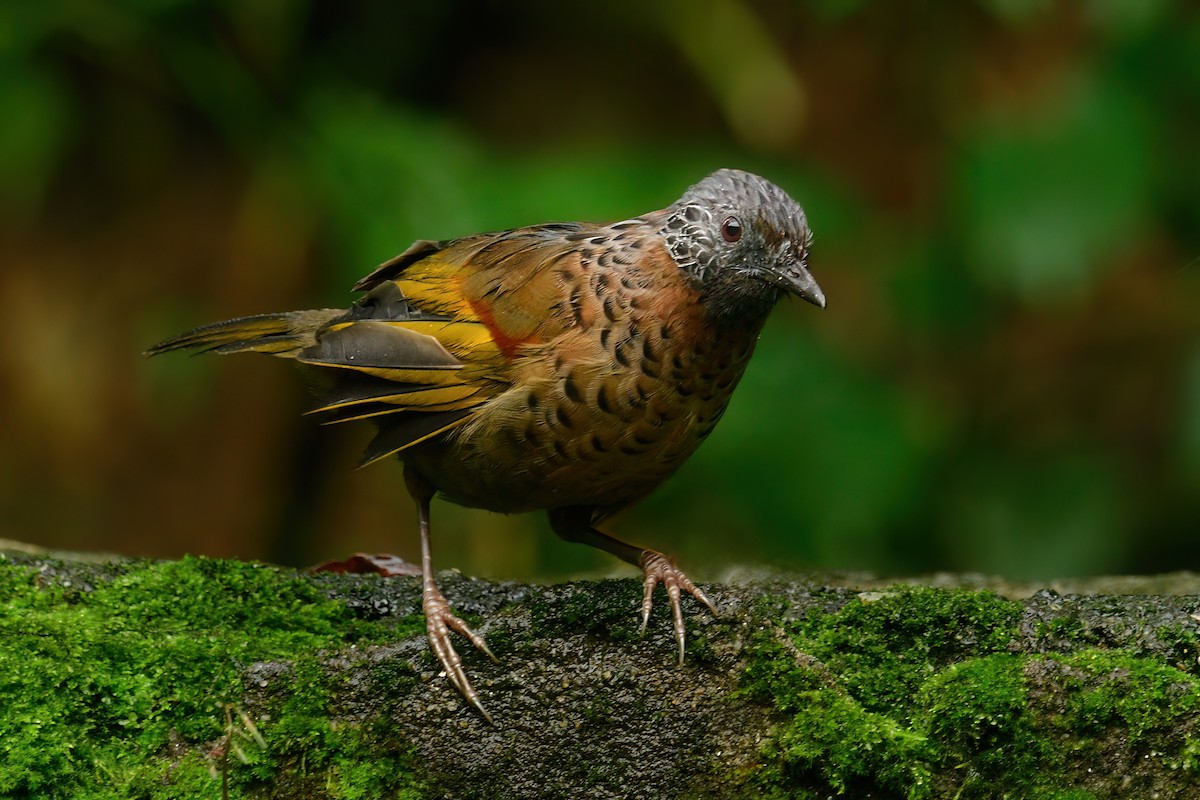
125,687
920,693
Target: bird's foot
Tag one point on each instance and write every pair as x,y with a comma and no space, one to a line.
657,567
439,621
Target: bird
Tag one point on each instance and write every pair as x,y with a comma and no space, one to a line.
566,367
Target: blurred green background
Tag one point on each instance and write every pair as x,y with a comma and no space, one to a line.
1005,196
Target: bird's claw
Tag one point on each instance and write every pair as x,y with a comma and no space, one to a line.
656,567
439,621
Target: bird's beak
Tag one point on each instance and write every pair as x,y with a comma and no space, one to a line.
804,286
796,279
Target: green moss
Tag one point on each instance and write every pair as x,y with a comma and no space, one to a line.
977,713
1113,689
1068,628
120,690
884,646
1188,758
915,693
885,757
851,682
1184,645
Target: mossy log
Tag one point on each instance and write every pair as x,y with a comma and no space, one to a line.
209,679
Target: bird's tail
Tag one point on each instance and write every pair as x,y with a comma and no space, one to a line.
283,334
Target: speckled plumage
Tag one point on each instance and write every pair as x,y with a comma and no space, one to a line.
569,367
610,400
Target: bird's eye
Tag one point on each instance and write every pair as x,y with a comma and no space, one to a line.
731,229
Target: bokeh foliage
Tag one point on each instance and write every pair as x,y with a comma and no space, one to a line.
1007,215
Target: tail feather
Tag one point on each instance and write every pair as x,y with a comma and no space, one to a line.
405,430
283,334
397,373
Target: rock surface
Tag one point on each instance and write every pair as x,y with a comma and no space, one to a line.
190,678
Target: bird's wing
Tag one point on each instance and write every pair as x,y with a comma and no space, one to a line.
438,331
516,284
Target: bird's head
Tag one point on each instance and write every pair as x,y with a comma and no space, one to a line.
744,242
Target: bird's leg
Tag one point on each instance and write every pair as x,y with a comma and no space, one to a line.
439,618
575,525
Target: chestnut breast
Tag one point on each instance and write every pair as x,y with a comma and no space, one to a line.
601,414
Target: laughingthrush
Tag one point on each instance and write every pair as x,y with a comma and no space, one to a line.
569,366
